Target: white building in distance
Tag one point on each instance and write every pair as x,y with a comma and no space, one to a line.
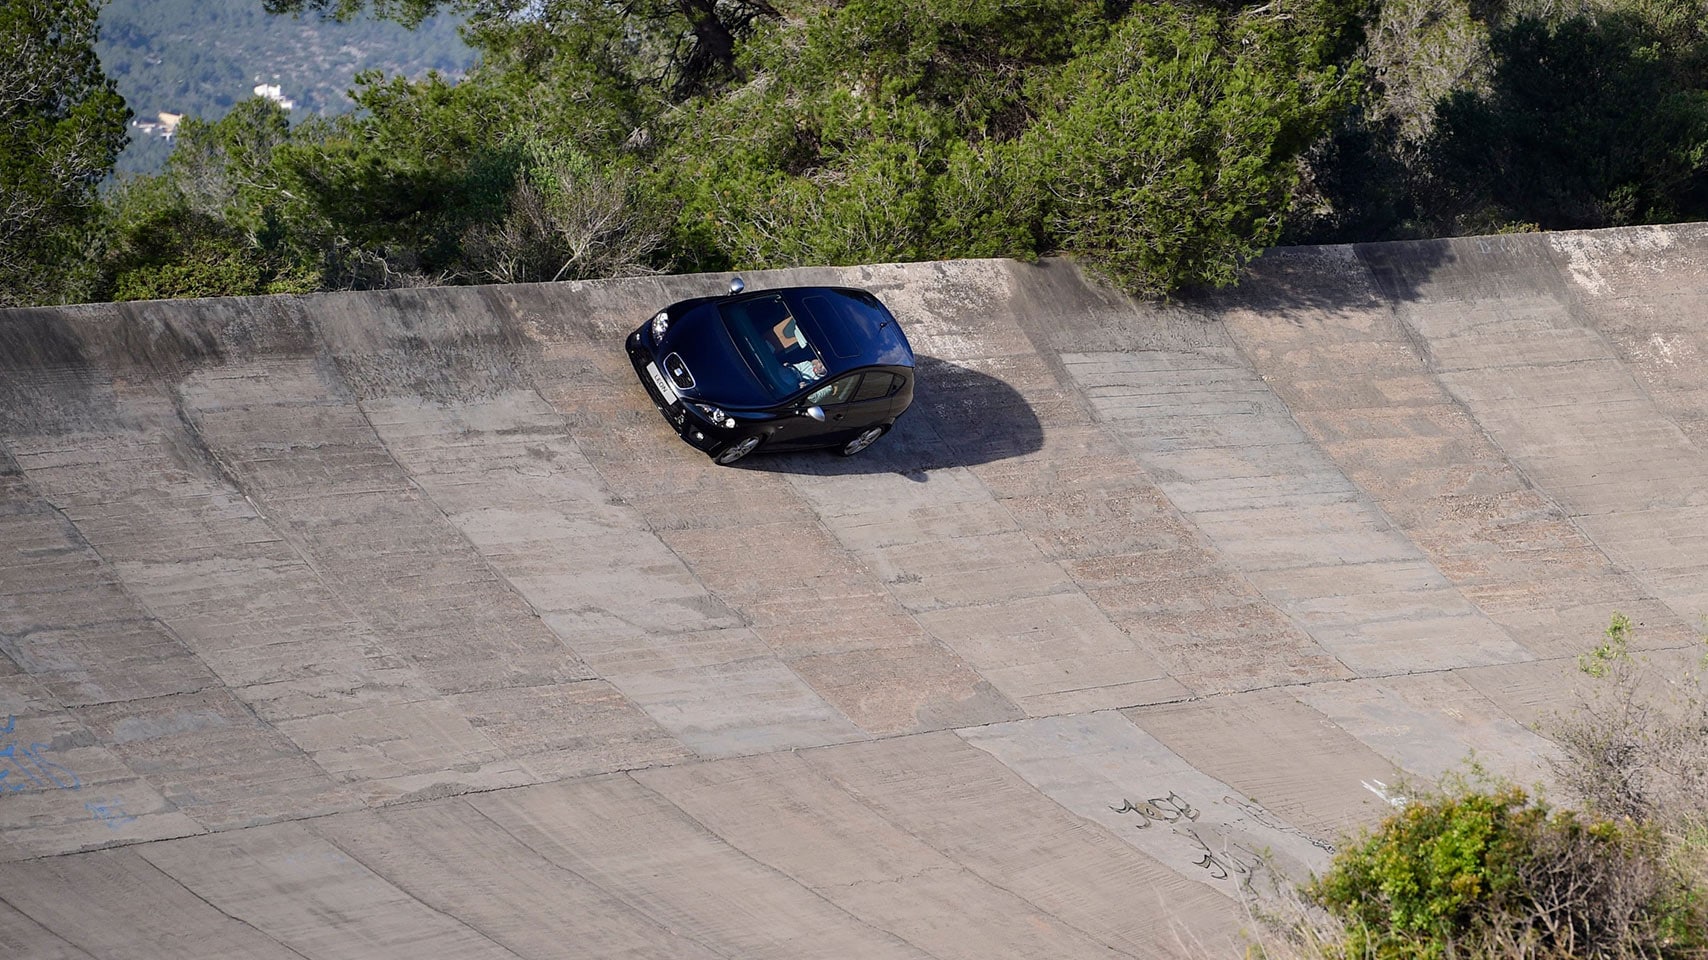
275,93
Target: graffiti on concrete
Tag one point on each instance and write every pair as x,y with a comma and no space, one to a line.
26,759
1169,809
1225,863
1232,839
110,812
22,767
1180,817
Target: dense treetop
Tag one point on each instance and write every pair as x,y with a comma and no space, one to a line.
61,126
1163,143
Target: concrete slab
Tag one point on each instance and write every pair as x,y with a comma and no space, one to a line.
65,789
117,904
239,874
1405,439
1054,655
721,692
313,462
67,619
214,760
1643,289
458,862
781,812
634,844
1522,350
1432,725
1228,453
22,937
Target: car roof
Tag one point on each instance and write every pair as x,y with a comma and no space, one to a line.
847,339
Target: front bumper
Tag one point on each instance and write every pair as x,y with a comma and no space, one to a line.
689,425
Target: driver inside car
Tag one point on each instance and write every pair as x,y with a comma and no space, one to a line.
795,352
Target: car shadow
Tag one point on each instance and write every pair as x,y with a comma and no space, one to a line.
960,417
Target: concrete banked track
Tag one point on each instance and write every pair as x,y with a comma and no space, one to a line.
397,624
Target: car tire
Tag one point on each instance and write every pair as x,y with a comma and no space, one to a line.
737,450
866,438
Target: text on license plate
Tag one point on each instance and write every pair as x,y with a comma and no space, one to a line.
664,388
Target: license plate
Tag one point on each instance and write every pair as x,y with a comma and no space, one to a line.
665,390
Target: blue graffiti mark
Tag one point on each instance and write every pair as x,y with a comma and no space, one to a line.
110,812
39,772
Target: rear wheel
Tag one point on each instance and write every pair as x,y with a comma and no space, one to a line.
742,448
866,438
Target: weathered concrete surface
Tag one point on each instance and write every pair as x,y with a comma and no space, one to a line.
397,624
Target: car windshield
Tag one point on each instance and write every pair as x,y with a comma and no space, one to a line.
774,347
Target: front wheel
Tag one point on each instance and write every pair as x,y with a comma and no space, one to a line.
742,448
866,438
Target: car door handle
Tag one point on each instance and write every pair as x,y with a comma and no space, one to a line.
838,416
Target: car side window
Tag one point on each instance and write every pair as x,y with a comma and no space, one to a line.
875,385
836,391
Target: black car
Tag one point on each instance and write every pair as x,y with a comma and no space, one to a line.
784,369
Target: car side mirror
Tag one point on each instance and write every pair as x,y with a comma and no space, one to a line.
815,412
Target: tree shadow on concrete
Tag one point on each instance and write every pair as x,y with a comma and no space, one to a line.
49,385
1301,283
959,418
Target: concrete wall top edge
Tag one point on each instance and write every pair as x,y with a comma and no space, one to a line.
170,338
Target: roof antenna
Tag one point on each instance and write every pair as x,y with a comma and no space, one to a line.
736,286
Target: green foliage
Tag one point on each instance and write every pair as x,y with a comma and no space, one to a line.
1163,143
1159,142
1481,870
160,247
402,182
1167,155
836,181
966,61
1599,661
1496,115
1422,878
567,217
1544,146
213,223
1159,145
407,12
868,135
1635,746
61,127
1485,872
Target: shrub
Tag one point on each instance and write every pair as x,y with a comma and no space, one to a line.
1637,746
1493,872
566,217
1483,871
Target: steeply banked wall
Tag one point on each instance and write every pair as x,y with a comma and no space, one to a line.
397,623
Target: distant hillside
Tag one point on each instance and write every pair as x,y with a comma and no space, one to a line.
196,58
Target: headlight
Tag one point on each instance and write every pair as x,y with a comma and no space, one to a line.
717,416
660,323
